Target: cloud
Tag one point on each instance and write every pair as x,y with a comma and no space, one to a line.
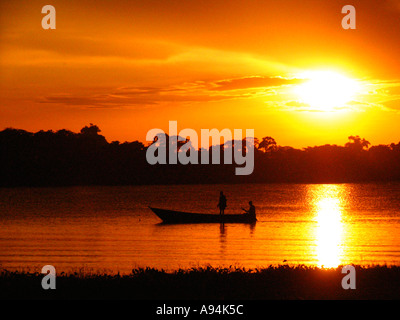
195,91
135,96
274,91
94,101
75,45
297,104
255,82
392,104
379,94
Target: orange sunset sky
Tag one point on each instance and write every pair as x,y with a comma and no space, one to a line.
286,68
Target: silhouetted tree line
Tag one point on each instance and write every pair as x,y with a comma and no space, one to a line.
61,158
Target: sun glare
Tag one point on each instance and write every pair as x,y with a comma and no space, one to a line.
329,229
326,90
329,232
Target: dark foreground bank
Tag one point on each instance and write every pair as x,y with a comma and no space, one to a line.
282,282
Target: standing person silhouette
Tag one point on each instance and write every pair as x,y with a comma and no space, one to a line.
221,203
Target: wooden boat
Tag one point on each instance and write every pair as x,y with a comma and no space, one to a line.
170,216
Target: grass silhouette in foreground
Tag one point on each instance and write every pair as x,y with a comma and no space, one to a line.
280,282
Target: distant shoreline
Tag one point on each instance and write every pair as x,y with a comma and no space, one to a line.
195,184
66,158
282,282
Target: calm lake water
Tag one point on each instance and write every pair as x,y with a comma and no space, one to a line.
111,228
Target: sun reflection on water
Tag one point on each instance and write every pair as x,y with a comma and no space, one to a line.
329,231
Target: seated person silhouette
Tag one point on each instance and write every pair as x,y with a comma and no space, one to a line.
252,209
222,203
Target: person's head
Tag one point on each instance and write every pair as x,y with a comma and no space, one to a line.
221,193
251,203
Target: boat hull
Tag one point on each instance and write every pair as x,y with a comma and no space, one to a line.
170,216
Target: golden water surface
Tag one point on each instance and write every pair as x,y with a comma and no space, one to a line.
112,228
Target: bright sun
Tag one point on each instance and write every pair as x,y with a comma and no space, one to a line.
326,90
